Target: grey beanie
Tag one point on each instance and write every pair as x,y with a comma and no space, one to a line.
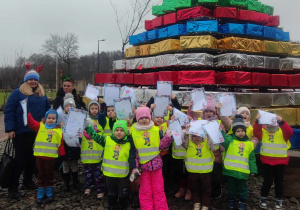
69,100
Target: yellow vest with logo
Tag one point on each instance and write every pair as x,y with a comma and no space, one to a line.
249,131
47,142
166,118
237,156
116,159
178,152
147,143
107,131
273,144
91,151
199,159
99,127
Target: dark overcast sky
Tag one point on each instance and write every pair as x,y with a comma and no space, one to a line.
26,24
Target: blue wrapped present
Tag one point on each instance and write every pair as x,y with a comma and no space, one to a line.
202,26
269,32
254,30
286,36
142,37
153,34
279,34
232,28
163,33
133,40
177,30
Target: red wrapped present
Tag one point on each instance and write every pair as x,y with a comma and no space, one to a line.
246,15
124,78
261,18
168,76
196,77
192,13
149,25
157,22
234,78
146,79
170,18
294,80
260,79
279,80
273,21
225,12
105,78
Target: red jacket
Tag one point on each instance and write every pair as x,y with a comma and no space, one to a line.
287,134
34,125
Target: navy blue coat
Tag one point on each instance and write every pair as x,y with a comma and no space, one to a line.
13,113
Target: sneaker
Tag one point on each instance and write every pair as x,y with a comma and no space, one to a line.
231,204
49,194
197,206
87,192
263,203
242,206
278,204
40,195
100,195
13,194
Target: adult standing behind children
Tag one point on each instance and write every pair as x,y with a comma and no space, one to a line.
68,87
23,136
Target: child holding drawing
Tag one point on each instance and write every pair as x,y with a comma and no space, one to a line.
107,118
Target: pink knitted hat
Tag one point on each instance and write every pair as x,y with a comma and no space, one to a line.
142,112
210,106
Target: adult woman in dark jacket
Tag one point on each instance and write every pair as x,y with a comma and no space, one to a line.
23,137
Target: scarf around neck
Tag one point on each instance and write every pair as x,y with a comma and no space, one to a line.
139,127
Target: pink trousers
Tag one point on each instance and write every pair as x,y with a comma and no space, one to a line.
152,192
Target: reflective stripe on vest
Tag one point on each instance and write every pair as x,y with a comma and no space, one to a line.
277,146
91,151
273,151
237,165
121,172
178,152
46,151
107,130
146,150
199,168
200,161
46,144
91,158
239,158
116,163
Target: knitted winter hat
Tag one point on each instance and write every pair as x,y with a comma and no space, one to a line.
120,124
242,109
210,106
237,123
90,104
142,112
32,74
69,100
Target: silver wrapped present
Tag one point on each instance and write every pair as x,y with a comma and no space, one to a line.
280,99
165,60
272,62
243,99
296,62
138,62
254,61
119,65
286,64
194,59
261,99
149,62
297,98
130,64
232,59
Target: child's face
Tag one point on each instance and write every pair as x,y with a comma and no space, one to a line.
110,111
144,121
246,116
240,133
67,108
94,110
51,119
159,120
196,139
208,114
119,133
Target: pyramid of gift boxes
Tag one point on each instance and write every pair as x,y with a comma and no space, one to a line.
215,42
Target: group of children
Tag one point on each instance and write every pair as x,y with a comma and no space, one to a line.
112,150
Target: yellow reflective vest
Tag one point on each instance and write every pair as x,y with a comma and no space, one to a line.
107,131
199,159
115,159
273,144
237,156
99,128
147,143
163,127
91,151
47,142
249,131
178,152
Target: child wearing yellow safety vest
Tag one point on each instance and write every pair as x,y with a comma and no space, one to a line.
48,146
239,163
119,157
107,118
148,144
91,154
274,157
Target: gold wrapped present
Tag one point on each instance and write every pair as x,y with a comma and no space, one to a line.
145,49
234,43
285,47
154,49
169,45
269,46
255,45
198,42
133,51
295,49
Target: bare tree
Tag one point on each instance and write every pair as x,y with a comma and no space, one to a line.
65,47
130,21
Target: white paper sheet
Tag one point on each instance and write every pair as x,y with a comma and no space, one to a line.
92,92
164,88
123,108
199,99
24,107
228,104
197,128
129,92
62,117
267,118
161,102
111,93
71,140
182,118
175,127
74,127
212,128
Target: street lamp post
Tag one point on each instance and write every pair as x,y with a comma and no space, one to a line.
101,40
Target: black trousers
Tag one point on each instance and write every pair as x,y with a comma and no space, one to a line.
117,191
24,159
273,174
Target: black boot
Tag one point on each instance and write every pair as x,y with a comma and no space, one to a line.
75,180
135,201
67,178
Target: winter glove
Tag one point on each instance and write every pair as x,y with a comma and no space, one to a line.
102,107
87,122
